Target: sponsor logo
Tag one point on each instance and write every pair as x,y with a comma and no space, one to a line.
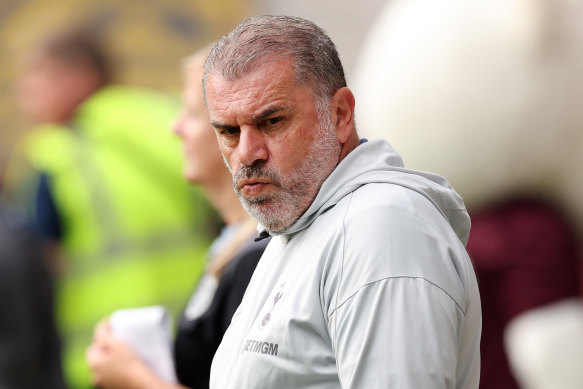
256,346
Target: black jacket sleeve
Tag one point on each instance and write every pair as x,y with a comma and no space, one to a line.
197,340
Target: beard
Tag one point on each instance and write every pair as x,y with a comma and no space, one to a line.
293,194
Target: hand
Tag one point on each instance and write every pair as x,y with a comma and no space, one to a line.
114,364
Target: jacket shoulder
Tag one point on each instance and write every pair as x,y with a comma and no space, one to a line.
389,231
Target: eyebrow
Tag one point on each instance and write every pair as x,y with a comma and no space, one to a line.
257,118
221,126
268,112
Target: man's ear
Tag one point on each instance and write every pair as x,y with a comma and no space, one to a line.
342,113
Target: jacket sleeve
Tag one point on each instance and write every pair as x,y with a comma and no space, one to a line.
396,333
401,299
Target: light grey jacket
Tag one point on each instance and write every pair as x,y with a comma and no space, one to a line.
371,288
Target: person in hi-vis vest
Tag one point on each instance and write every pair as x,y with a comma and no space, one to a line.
100,174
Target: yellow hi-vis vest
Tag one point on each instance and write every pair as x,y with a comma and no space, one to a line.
134,232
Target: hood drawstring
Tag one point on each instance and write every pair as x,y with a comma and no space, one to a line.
262,235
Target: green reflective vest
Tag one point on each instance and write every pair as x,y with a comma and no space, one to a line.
134,232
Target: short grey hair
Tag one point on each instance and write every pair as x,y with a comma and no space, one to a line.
314,55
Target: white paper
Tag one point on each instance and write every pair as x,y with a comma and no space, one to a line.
148,330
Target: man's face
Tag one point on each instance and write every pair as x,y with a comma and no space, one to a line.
203,161
275,144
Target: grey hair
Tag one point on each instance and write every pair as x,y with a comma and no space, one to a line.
314,56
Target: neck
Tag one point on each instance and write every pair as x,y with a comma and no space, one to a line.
351,143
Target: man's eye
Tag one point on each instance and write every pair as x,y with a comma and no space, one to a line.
229,131
274,121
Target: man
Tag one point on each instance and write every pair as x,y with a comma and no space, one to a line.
366,282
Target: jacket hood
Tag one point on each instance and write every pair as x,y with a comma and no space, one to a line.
377,162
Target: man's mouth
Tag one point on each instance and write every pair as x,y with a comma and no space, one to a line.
252,187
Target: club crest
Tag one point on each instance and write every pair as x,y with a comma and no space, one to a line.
276,298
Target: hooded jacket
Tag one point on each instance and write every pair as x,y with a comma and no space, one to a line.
370,287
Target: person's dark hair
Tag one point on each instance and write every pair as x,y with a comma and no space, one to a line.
78,47
316,61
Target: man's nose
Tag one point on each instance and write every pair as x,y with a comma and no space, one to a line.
252,146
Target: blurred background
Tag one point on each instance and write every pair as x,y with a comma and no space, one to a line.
487,93
146,39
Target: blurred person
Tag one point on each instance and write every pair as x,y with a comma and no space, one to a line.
29,343
526,255
488,93
232,260
100,174
366,281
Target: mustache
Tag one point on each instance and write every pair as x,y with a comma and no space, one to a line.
258,170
